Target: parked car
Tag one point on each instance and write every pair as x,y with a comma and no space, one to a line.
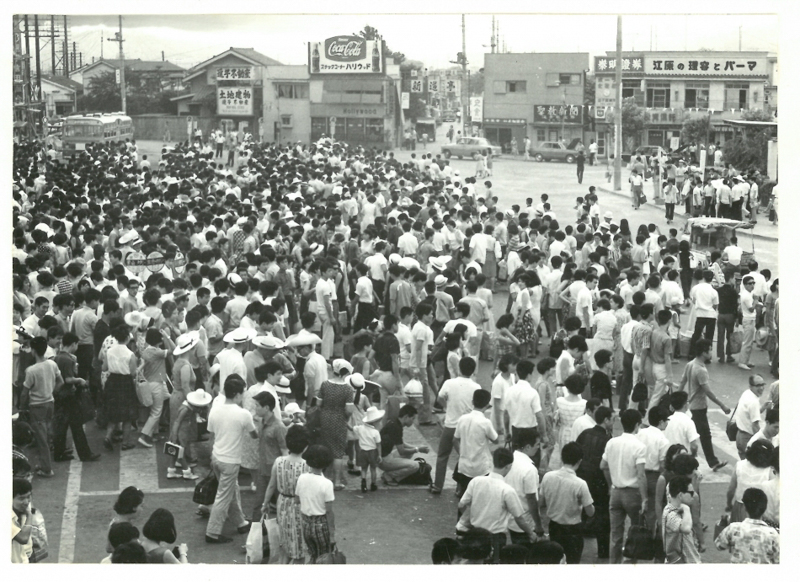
553,150
469,147
448,116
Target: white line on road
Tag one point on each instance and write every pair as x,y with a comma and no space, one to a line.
139,467
66,550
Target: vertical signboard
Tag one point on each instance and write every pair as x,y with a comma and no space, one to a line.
235,90
476,109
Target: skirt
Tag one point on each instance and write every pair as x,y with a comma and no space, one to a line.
490,265
525,330
119,398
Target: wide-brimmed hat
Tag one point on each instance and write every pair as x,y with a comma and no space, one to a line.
269,341
440,280
239,335
199,397
316,248
303,338
135,319
340,364
413,388
356,380
283,385
233,279
292,408
373,414
186,342
128,237
394,259
179,294
440,263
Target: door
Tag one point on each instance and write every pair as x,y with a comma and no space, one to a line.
601,144
552,135
655,137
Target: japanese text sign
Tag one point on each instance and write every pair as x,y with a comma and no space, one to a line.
554,113
345,54
629,64
234,101
235,74
701,66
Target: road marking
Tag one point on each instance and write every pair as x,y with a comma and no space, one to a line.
139,467
146,491
66,550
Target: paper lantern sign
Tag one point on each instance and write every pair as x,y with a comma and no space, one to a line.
179,263
135,262
155,262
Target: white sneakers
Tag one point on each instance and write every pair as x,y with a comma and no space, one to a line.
173,473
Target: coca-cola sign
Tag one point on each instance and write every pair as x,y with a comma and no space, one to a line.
345,49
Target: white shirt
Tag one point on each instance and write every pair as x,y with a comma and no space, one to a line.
408,244
524,478
522,403
369,438
760,435
315,373
584,301
405,339
748,412
364,290
761,289
230,362
478,244
499,387
681,430
231,424
314,492
476,433
656,445
420,331
377,264
734,254
582,423
747,304
492,503
623,454
459,393
705,299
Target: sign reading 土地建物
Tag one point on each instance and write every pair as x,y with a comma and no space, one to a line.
234,101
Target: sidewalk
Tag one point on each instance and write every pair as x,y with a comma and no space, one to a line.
763,229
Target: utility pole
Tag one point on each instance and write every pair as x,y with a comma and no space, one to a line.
618,116
53,44
118,38
740,38
464,83
65,56
38,58
494,38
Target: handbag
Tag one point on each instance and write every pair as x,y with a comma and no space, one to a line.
332,557
85,406
206,490
735,341
730,427
39,544
639,393
640,545
421,477
254,544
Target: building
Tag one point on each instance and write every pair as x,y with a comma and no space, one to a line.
354,94
539,95
60,95
287,105
230,88
168,74
676,86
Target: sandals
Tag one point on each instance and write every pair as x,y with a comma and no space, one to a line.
339,487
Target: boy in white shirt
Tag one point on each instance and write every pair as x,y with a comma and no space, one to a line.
369,441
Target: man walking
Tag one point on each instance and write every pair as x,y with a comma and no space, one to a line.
524,478
563,496
623,465
728,308
474,433
706,301
228,422
637,182
695,383
523,404
656,445
748,413
749,304
328,315
580,161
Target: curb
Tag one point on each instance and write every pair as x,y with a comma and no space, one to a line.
755,235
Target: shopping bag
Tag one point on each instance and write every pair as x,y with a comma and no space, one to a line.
731,430
40,546
254,544
640,544
735,341
332,557
144,393
276,550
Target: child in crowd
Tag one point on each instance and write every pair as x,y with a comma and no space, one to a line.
118,534
184,431
601,379
369,440
315,492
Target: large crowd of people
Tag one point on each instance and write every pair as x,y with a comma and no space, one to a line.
295,311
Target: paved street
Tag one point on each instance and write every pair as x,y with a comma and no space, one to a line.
391,526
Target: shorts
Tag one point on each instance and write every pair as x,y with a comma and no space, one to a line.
367,458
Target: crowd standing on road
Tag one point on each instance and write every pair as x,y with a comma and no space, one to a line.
308,303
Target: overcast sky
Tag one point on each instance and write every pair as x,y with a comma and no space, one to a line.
188,39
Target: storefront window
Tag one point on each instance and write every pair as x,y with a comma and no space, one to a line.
319,126
355,129
696,95
658,95
736,95
374,129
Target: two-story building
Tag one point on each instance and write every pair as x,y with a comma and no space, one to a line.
538,95
60,95
675,86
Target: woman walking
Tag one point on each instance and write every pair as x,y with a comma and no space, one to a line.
119,396
334,395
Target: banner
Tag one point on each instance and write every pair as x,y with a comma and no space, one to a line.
405,98
452,86
729,66
345,54
630,64
476,109
235,74
235,101
416,86
433,86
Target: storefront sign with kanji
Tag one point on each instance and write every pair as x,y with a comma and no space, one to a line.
433,86
416,86
345,54
555,113
235,73
630,64
235,101
729,66
452,86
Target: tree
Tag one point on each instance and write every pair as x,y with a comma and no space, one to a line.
695,129
757,115
143,94
634,120
371,33
476,83
749,148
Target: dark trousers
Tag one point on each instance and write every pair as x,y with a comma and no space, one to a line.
703,326
571,539
218,153
700,419
42,426
725,323
627,380
231,153
84,355
708,207
580,174
736,209
598,525
443,455
68,417
724,210
291,309
670,207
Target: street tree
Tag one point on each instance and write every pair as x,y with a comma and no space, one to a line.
695,129
634,120
371,33
748,150
143,94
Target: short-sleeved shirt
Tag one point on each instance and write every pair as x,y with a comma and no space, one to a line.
623,454
230,424
369,439
41,380
314,492
660,346
420,331
492,503
391,436
695,378
748,412
681,430
750,542
522,403
476,432
656,445
385,347
565,495
524,478
705,298
19,552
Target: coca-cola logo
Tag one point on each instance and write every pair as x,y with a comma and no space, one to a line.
345,48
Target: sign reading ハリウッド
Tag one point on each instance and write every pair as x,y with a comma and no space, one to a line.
345,54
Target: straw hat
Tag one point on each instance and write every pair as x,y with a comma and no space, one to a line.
356,380
199,397
303,338
292,408
373,415
129,237
413,388
239,335
440,280
186,342
439,263
136,319
283,386
340,364
269,341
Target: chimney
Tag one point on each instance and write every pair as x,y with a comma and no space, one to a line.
162,56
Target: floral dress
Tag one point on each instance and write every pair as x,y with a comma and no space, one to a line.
290,521
524,328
